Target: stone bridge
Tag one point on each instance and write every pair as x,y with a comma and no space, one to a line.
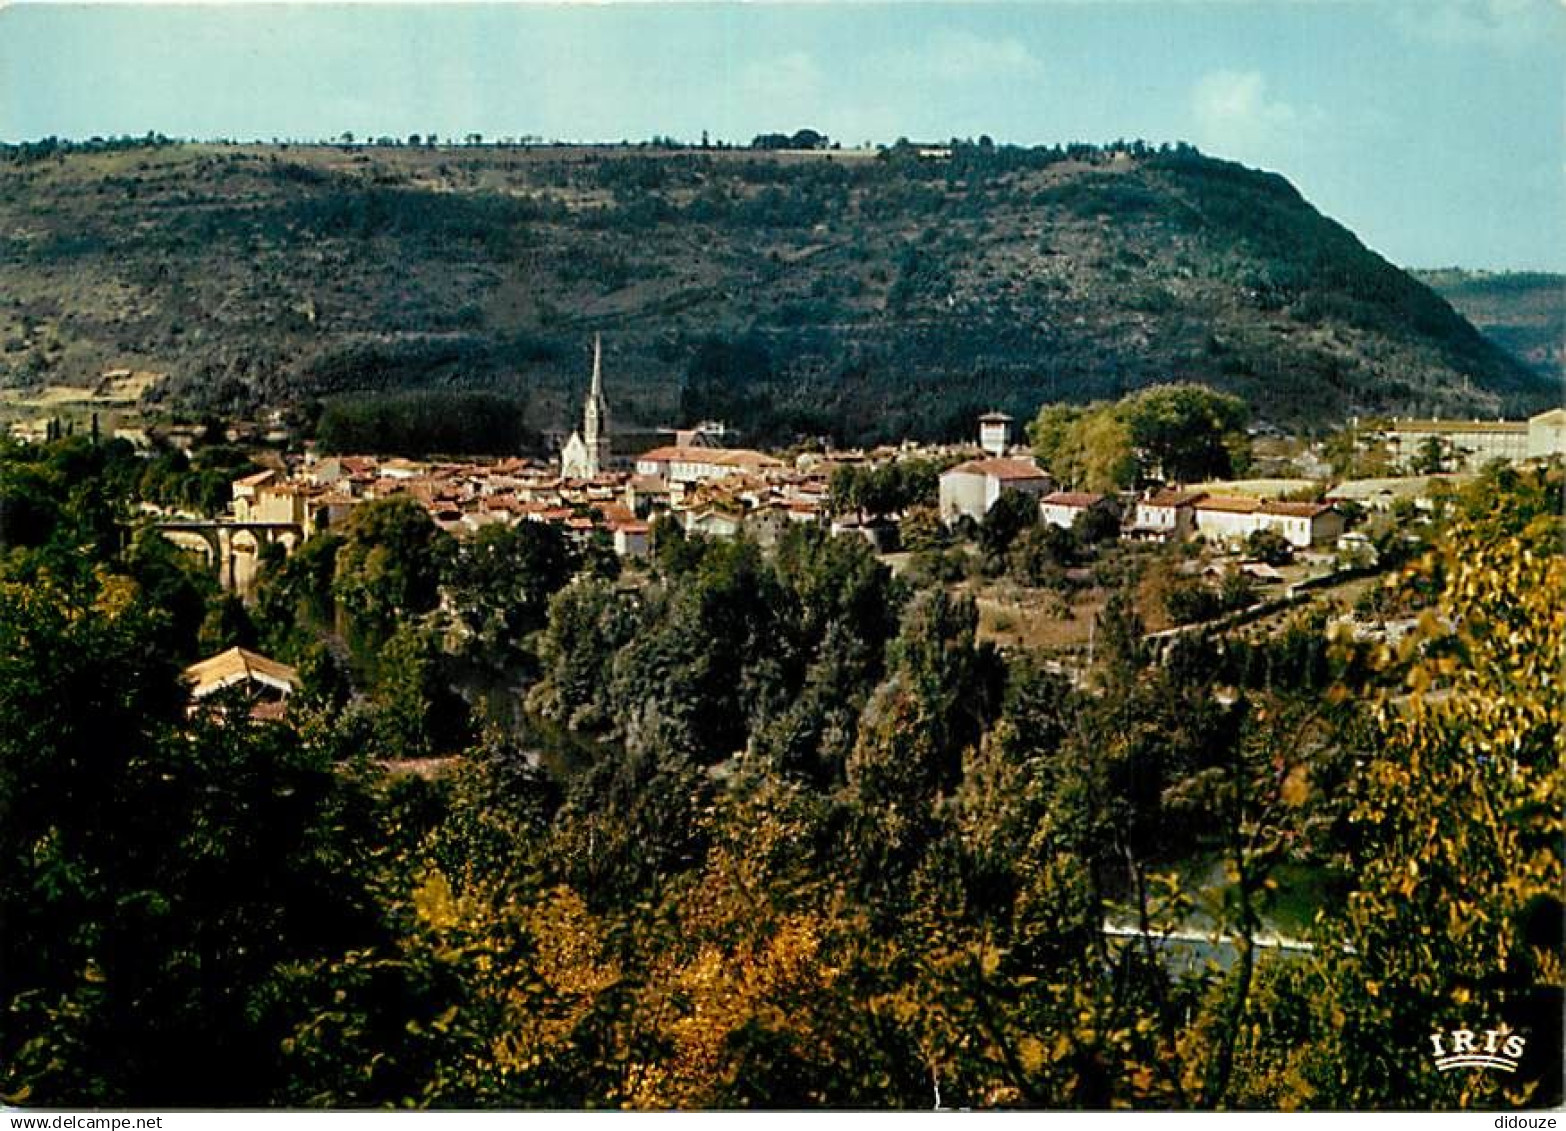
231,547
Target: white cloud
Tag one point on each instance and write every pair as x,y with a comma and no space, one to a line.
1236,117
960,56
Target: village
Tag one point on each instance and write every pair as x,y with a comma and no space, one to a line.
598,490
1243,548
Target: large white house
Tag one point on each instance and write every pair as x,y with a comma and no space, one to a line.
972,488
1303,524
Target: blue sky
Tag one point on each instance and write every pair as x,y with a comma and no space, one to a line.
1432,128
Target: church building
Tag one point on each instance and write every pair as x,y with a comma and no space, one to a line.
586,453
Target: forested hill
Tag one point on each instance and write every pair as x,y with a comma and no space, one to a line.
866,295
1524,312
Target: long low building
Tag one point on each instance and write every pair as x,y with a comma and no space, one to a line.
1469,444
1234,518
677,464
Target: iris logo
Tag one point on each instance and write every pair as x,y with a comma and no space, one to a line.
1500,1048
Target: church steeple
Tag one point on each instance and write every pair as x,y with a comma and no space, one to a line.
587,452
595,416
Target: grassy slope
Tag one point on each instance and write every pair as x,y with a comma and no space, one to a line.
867,297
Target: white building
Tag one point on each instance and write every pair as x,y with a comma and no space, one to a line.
712,523
1547,434
244,492
1464,444
1233,519
1381,494
1171,513
1303,524
700,465
586,453
631,539
972,488
1225,518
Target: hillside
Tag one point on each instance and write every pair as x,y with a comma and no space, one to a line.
1524,312
845,292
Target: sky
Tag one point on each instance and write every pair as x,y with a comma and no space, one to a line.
1434,129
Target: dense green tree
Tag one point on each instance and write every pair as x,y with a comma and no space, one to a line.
940,691
1012,513
175,581
1434,456
417,714
1041,553
706,663
589,621
294,603
227,625
1096,525
1269,546
500,582
921,530
1187,432
145,958
389,566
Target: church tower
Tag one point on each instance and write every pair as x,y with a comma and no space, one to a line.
587,452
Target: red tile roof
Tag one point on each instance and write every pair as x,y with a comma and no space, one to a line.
1295,510
999,468
1081,499
1228,504
1174,497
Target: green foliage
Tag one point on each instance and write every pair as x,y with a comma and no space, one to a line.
294,601
1452,819
500,582
896,896
589,621
921,530
1011,515
424,422
226,625
1187,432
1175,432
887,488
1191,601
1041,554
1269,546
389,565
1087,449
135,970
416,713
